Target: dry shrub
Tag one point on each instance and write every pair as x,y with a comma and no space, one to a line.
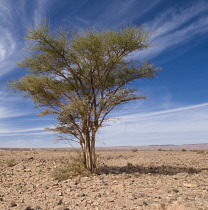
129,165
134,150
11,162
74,168
200,151
194,150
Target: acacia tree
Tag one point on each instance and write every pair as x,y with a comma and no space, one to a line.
82,77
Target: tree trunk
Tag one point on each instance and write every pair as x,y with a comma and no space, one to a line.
89,152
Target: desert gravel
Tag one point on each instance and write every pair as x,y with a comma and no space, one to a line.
166,180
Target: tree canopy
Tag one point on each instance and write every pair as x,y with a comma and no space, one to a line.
82,77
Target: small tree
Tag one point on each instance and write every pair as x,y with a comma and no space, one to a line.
81,78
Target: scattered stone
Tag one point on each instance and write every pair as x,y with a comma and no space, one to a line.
99,195
61,208
181,175
117,187
12,204
19,167
46,187
25,207
59,201
135,195
60,194
37,208
175,190
142,203
138,195
189,185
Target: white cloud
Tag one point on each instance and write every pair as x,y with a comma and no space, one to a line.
175,27
9,106
7,50
176,126
5,11
33,142
14,24
114,13
39,11
28,132
7,40
172,19
171,28
11,113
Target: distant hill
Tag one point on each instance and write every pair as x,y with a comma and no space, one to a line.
203,146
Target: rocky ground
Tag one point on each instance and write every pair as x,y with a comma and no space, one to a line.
166,180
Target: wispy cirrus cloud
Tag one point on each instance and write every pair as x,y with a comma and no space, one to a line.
19,131
180,125
9,106
13,26
176,27
117,11
16,116
7,41
110,14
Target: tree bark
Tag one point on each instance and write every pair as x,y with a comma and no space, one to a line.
89,153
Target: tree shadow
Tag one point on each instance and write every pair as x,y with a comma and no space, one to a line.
154,170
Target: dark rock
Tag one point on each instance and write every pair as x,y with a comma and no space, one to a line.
175,190
99,195
25,207
61,208
59,201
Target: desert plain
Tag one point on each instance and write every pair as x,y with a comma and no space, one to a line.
128,179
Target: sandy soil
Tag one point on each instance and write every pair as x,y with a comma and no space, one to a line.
128,180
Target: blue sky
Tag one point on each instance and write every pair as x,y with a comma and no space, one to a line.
177,111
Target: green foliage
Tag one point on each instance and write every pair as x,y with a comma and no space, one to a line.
82,77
